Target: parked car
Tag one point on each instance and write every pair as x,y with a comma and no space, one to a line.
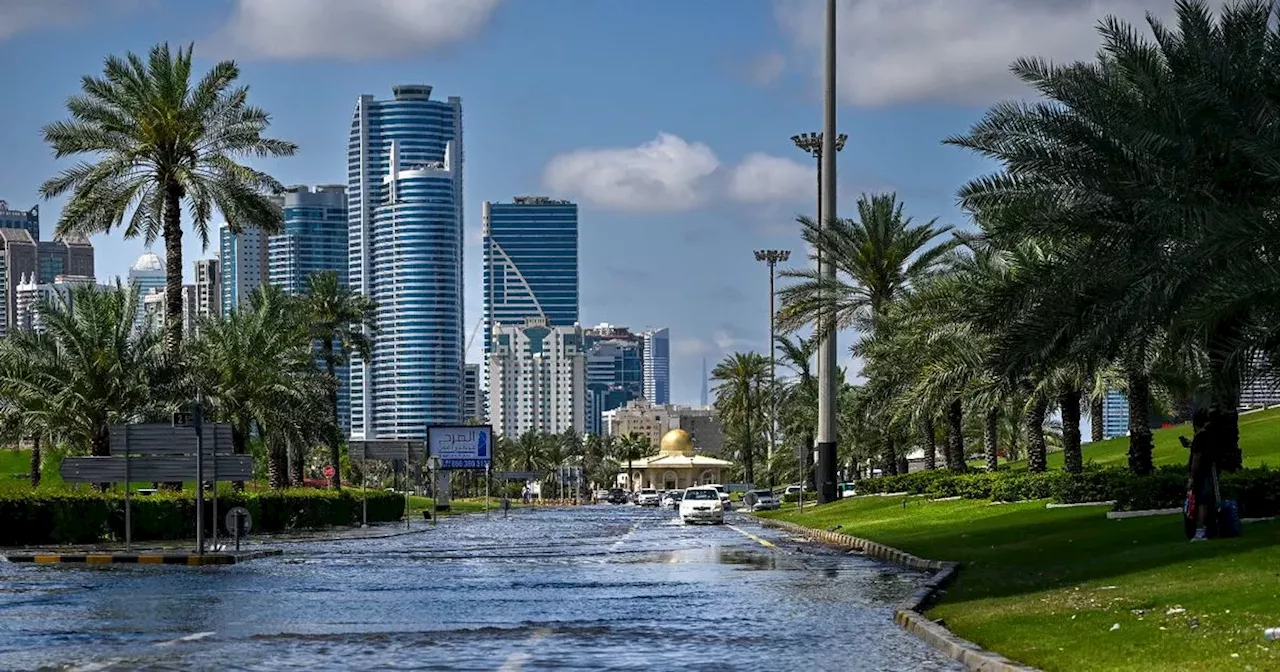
847,490
617,496
602,496
725,500
648,497
792,490
762,500
702,505
671,499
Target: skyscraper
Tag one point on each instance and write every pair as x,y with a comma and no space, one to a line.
615,371
404,195
1115,414
472,395
313,240
314,237
208,288
537,374
148,274
17,264
657,365
530,262
28,220
243,264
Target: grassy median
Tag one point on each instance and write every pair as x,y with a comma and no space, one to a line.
1049,586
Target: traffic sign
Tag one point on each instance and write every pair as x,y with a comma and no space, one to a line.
246,520
182,419
329,471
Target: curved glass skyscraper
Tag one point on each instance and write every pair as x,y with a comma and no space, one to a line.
404,192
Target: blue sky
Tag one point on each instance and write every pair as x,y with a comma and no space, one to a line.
667,120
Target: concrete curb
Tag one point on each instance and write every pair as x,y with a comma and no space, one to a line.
190,559
1145,513
907,614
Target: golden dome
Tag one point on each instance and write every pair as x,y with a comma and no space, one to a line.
676,442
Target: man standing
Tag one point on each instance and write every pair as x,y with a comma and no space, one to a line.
1200,474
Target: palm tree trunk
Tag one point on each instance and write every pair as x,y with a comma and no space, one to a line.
35,461
173,266
277,464
1072,460
955,436
1095,418
297,466
1225,374
904,465
888,457
1140,442
335,455
930,443
1033,424
991,438
239,446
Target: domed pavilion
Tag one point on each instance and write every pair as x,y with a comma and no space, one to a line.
676,466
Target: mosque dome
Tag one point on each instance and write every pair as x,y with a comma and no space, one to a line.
149,261
677,442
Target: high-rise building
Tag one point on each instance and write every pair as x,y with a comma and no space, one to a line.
147,273
1261,385
313,240
472,394
654,420
208,288
657,365
615,371
1115,414
243,258
530,262
30,295
28,220
404,195
537,374
64,255
314,237
18,262
153,308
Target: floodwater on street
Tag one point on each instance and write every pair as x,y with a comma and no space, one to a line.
588,588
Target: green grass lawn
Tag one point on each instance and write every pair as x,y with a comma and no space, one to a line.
1046,586
1259,441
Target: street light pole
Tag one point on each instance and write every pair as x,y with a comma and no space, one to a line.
772,258
826,473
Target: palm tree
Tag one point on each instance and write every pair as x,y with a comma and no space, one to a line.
531,451
340,321
89,369
633,446
161,144
742,382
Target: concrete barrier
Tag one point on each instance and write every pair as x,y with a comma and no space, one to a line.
907,615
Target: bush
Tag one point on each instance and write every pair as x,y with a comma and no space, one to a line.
74,517
795,497
1256,490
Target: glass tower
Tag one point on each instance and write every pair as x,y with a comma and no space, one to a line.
530,263
404,237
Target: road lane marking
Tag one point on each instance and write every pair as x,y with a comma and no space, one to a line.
763,542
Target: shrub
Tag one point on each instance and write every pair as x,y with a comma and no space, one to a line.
74,516
1256,490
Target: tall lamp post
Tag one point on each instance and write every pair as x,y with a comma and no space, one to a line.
772,258
824,146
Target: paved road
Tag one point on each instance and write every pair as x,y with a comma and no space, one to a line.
592,588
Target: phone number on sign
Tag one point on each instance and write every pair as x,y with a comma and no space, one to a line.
463,464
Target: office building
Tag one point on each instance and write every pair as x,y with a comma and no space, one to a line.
653,421
472,394
1261,386
64,255
537,374
615,371
530,262
243,261
657,366
147,273
18,262
314,237
31,294
28,220
153,305
404,196
208,288
1115,414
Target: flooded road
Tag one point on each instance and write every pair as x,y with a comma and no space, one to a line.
591,588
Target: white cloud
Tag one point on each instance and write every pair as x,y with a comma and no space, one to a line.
945,51
766,68
692,347
663,175
763,178
350,29
19,15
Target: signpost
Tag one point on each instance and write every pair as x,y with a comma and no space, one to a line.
162,452
457,447
239,522
386,450
329,471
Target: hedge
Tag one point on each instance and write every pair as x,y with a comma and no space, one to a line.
1256,490
77,517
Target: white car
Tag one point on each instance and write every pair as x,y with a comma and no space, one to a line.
725,500
762,500
649,497
671,499
702,505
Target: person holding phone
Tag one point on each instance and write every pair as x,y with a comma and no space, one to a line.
1200,473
